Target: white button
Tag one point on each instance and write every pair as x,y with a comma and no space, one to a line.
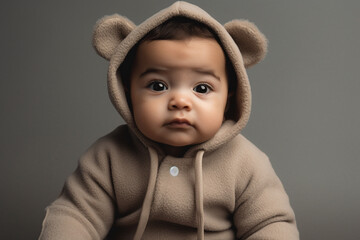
174,171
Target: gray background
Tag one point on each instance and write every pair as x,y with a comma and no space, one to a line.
54,103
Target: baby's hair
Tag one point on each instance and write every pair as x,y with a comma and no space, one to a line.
180,28
176,28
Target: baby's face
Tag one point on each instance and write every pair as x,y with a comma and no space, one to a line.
179,90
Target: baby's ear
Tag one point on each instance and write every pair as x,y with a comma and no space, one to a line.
251,42
108,33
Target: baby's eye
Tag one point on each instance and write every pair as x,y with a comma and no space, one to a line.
157,86
202,88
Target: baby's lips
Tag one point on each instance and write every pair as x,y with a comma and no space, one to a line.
179,123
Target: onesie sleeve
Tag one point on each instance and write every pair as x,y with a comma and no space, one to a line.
262,209
85,208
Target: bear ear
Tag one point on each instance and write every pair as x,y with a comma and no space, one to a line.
108,33
251,42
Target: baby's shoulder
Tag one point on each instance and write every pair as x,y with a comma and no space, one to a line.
116,142
245,154
241,145
117,147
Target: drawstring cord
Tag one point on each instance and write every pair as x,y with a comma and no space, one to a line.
145,211
199,195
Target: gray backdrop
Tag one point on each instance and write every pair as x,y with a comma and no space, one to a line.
306,115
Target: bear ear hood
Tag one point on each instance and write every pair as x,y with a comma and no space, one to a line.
110,31
115,35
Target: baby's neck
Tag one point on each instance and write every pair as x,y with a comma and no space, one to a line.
175,151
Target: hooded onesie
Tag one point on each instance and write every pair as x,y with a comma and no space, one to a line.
126,187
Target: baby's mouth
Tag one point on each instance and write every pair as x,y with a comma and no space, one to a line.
179,123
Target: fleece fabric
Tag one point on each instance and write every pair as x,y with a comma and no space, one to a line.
126,187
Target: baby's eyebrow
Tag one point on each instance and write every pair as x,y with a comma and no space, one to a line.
152,70
207,72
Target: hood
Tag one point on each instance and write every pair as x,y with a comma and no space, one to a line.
243,43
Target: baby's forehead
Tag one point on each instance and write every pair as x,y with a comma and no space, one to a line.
199,53
186,40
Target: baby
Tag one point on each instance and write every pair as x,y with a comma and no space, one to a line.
179,168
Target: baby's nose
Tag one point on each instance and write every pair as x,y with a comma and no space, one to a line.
180,101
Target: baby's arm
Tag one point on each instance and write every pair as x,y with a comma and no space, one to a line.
85,208
263,209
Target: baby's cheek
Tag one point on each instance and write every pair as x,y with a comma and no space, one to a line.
148,115
211,123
